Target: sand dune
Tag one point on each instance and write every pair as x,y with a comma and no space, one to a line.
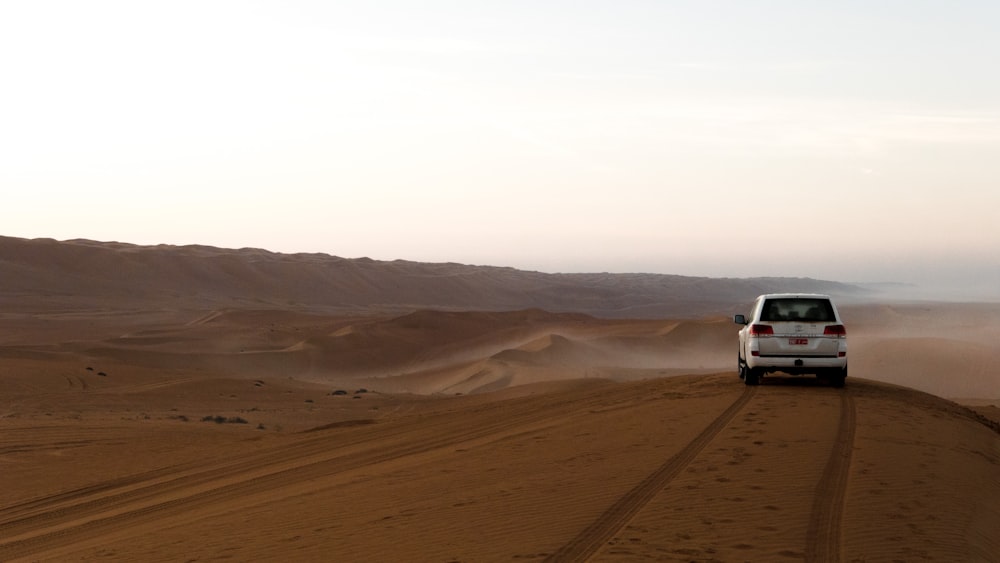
44,274
484,436
173,426
936,348
949,350
690,467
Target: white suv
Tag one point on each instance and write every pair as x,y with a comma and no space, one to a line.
795,334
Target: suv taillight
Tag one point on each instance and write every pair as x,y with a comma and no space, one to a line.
760,330
835,330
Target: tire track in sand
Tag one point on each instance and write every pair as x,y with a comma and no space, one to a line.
593,537
824,537
68,518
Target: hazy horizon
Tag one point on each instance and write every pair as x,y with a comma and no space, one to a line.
854,142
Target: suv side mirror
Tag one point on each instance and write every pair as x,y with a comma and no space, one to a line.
740,319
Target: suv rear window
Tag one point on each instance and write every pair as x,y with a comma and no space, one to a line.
798,309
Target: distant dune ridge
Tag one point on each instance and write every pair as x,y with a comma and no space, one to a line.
194,403
78,273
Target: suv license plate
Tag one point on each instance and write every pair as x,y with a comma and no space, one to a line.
798,341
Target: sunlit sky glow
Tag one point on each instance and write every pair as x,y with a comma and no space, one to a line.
849,140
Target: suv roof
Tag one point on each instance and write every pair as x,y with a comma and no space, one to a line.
794,295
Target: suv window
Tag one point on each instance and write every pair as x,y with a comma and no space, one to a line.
798,309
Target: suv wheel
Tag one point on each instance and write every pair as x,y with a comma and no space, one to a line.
838,377
741,367
751,376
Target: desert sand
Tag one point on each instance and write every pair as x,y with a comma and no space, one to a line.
276,435
197,404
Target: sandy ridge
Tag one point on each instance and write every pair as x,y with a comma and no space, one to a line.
77,517
75,275
118,467
520,473
590,540
825,535
749,495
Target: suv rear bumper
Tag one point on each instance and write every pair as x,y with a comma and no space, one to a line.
796,364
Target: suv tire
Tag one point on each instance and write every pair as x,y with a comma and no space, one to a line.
838,377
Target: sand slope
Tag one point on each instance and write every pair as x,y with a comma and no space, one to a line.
676,469
181,422
87,274
948,349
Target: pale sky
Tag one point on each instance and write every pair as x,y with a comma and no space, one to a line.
843,140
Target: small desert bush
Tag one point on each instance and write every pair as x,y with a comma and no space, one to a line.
218,419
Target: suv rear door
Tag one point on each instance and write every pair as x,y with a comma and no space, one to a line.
799,327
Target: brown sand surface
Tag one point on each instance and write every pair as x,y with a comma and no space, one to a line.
178,434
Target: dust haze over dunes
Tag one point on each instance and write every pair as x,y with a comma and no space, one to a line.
164,403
